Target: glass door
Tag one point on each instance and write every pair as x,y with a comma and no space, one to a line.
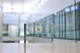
38,32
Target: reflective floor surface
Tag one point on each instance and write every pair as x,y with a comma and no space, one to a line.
39,48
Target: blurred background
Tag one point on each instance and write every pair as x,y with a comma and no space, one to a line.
46,20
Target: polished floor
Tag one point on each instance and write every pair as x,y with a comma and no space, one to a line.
39,48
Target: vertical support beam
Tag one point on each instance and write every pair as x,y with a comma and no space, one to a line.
52,32
1,26
24,38
74,13
19,25
24,33
65,23
34,29
59,24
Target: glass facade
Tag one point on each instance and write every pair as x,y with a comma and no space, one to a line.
39,30
64,23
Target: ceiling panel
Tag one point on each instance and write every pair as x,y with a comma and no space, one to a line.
29,3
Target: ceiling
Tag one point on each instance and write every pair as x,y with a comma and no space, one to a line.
27,3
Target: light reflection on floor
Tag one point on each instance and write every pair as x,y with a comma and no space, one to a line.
39,48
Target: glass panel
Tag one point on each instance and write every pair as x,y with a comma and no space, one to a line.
64,23
61,34
10,21
39,30
50,18
57,25
70,34
10,30
64,34
78,17
61,23
67,9
77,33
53,21
69,21
46,19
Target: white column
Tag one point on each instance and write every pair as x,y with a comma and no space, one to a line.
1,23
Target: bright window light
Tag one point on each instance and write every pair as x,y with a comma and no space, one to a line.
46,0
27,10
7,5
7,9
42,2
27,32
35,7
25,6
67,10
17,10
55,13
22,33
17,6
38,5
0,8
72,8
21,41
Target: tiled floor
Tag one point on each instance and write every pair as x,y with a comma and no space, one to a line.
40,48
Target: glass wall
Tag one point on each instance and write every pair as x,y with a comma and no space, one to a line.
13,24
66,22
